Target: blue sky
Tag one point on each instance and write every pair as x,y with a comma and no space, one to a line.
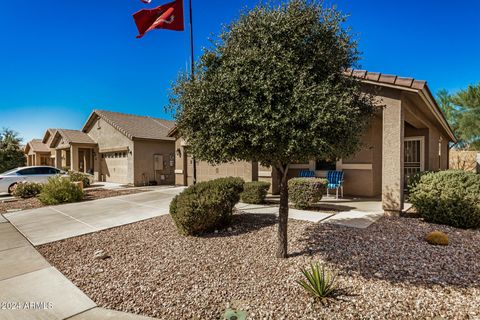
61,59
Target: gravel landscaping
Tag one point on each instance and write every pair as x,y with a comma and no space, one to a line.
386,271
92,194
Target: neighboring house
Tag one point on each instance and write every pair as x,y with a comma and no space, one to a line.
38,153
74,150
410,134
114,147
131,149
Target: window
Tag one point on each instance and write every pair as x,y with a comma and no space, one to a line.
325,165
27,171
53,171
43,170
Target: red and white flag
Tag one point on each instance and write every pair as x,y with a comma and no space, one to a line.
146,1
168,16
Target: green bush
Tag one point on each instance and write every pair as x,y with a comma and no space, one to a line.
206,206
79,176
60,190
255,192
448,197
26,190
414,179
304,192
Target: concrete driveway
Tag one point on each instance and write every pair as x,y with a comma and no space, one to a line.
55,223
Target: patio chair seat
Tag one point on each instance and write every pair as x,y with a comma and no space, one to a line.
307,174
333,185
335,181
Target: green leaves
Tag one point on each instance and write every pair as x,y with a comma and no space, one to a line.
11,154
271,89
462,111
60,190
304,192
450,197
319,282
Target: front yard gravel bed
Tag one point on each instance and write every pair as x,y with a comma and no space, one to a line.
386,271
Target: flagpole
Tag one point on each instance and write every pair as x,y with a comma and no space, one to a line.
192,67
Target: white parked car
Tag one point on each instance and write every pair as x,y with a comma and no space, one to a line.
39,174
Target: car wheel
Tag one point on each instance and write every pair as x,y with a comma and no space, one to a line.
12,188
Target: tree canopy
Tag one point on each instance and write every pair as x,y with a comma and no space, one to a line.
462,111
11,153
271,89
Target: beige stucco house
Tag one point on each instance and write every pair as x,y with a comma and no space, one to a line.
38,153
131,149
410,134
114,147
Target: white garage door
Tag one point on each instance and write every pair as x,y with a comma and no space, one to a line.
114,167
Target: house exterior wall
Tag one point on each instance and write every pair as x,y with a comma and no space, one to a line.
108,167
248,171
144,153
53,151
378,168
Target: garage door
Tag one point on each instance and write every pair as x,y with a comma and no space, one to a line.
114,168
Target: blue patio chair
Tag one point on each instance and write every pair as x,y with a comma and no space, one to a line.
335,181
307,174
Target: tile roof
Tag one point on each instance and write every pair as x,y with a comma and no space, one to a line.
134,126
407,83
75,136
37,146
386,79
49,134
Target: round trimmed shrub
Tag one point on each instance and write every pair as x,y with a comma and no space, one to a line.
60,190
437,238
80,176
206,206
304,192
255,192
449,197
26,190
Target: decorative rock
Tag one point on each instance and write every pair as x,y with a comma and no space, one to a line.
159,273
100,254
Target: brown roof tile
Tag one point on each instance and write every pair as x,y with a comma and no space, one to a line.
75,136
38,146
134,126
386,78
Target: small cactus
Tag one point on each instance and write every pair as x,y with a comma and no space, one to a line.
234,315
437,238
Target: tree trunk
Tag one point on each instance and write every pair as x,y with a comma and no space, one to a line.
283,212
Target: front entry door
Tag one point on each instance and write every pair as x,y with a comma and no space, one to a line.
414,155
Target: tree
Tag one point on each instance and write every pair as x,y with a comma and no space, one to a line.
462,111
11,153
271,89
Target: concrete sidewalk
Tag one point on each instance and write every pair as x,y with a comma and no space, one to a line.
49,224
30,288
358,214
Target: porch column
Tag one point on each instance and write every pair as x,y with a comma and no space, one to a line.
74,158
96,158
37,159
58,159
393,149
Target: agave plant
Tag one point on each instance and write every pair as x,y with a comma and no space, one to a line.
319,283
234,315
